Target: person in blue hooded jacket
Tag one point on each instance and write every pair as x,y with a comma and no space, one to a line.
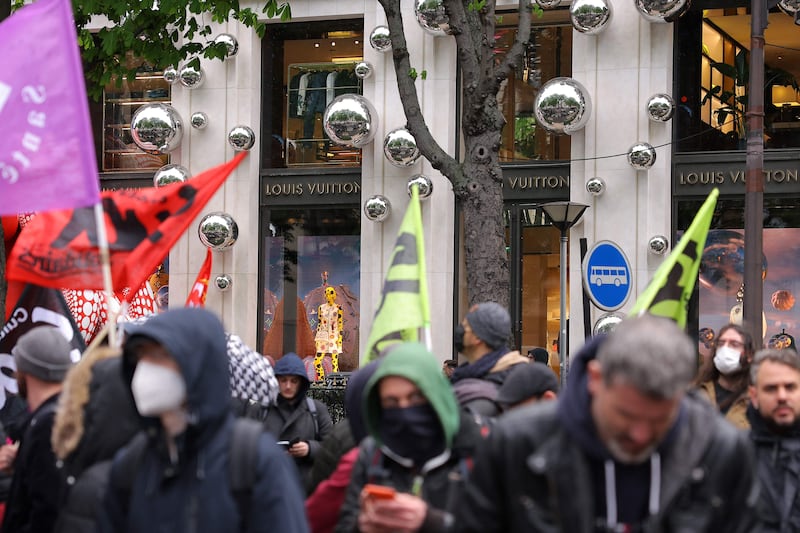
299,422
177,367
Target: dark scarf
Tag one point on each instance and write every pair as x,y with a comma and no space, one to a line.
479,368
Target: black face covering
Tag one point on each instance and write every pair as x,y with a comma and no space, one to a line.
458,338
412,432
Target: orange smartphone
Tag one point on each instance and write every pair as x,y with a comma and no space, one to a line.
379,492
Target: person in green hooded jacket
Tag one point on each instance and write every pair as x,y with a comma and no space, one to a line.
420,444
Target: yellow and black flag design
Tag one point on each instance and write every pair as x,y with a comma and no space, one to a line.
669,291
403,313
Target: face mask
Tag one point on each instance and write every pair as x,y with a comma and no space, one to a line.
157,389
412,432
458,338
727,360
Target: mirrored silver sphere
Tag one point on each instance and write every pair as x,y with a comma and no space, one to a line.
380,40
563,106
218,231
662,10
170,75
606,323
432,17
241,138
641,156
230,42
223,282
590,16
660,107
377,208
157,128
199,120
424,184
658,245
548,4
400,147
350,120
191,77
363,70
790,7
171,174
595,186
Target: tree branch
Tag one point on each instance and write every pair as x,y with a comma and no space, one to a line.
516,51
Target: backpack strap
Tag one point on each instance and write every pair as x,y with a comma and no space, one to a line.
242,465
312,408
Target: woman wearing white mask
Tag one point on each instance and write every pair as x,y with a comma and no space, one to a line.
723,378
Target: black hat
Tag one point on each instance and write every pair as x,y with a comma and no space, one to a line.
539,355
526,381
491,323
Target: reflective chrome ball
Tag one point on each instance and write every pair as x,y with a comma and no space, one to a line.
563,106
606,323
350,120
377,208
662,10
790,7
191,77
171,174
230,43
641,156
199,120
432,17
658,245
424,184
157,128
223,282
241,138
595,186
400,147
380,40
218,231
590,16
660,107
548,4
363,70
170,75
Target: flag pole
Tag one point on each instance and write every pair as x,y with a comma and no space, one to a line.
105,264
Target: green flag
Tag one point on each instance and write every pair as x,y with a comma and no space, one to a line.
403,313
672,285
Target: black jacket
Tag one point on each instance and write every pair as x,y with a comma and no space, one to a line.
33,503
778,469
534,474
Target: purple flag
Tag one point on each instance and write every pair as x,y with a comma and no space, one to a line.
47,153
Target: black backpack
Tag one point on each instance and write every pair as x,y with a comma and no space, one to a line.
242,471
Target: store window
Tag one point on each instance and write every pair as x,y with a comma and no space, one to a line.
306,253
722,268
305,67
712,76
548,55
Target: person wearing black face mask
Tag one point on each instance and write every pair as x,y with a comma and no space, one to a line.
420,444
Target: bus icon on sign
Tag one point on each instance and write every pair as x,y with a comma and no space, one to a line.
608,275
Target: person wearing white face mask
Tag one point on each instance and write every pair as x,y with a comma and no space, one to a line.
723,378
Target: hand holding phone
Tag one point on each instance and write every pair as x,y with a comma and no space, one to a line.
379,492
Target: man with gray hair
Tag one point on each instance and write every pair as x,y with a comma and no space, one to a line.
774,416
624,448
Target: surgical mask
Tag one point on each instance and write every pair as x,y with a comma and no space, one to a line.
727,360
458,338
157,389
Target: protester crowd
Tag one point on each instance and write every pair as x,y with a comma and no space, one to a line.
161,435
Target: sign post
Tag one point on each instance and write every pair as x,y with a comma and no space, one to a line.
607,276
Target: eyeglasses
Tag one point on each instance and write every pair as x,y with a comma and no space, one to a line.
738,345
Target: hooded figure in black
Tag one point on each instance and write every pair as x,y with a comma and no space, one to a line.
177,367
299,422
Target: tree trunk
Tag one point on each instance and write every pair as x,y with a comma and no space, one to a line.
5,12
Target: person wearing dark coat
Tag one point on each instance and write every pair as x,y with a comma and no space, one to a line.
43,357
299,422
774,416
177,367
95,418
420,444
624,448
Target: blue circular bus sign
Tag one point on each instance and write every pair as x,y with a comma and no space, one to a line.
607,276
